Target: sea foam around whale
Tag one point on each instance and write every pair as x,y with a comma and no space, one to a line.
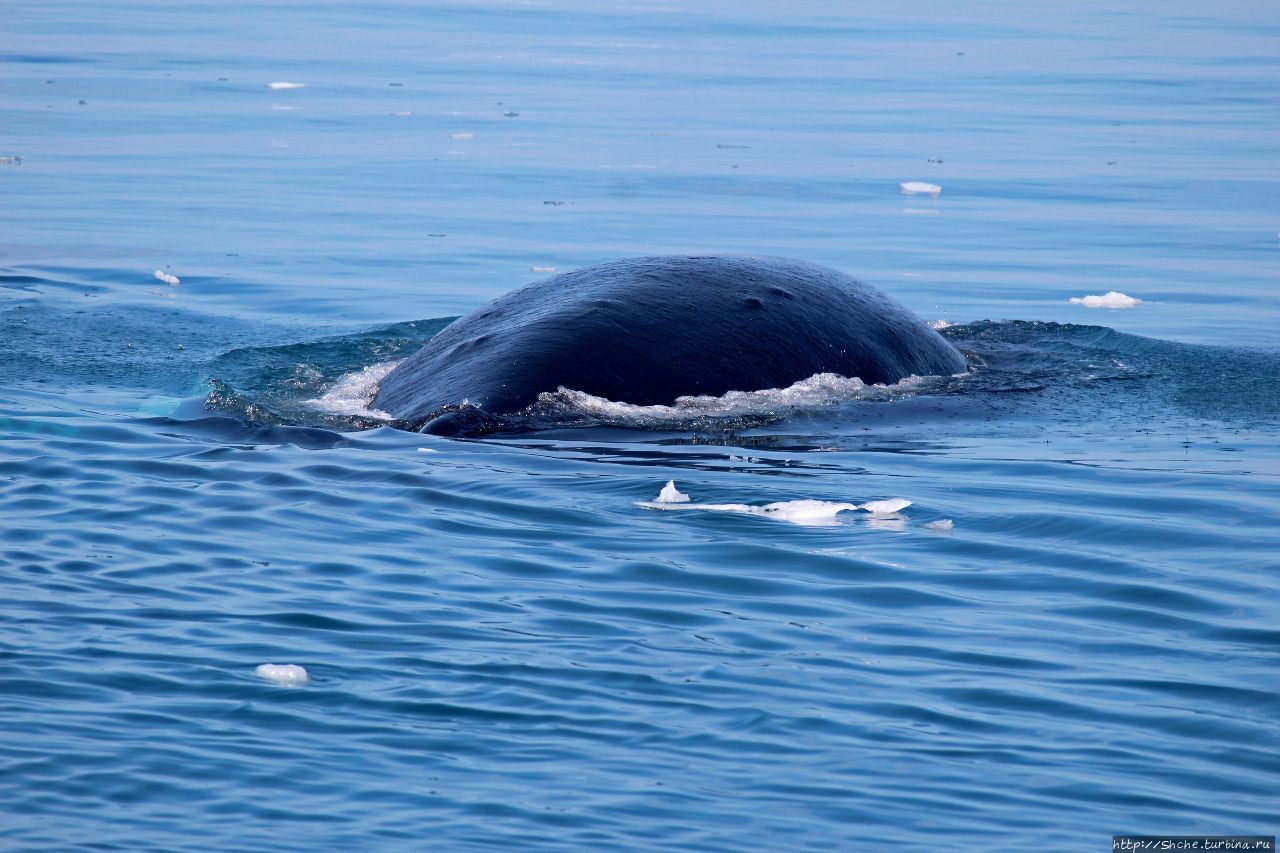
817,391
354,393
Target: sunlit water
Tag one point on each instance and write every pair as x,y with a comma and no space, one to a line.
1070,632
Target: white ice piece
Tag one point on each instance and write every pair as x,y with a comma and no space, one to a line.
671,495
885,506
813,513
920,188
286,85
171,280
1110,299
284,674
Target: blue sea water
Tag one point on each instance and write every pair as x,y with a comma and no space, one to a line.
504,650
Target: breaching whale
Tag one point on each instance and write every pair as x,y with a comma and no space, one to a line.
648,330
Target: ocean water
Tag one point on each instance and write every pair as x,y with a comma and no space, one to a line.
1070,632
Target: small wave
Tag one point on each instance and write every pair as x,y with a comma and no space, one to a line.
818,391
353,395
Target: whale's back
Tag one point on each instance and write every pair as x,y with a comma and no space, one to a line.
648,330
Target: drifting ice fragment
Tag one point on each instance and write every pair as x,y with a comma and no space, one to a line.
806,512
886,506
1111,299
171,280
920,187
285,85
671,495
941,524
284,674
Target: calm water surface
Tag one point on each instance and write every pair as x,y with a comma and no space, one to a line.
504,650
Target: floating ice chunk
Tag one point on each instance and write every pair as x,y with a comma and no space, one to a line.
542,269
920,188
427,450
941,524
1111,299
886,506
284,674
671,495
812,513
286,85
171,280
354,393
462,136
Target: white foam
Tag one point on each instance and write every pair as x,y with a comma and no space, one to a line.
462,136
671,495
821,389
1111,299
542,269
354,393
920,188
284,674
171,280
807,512
402,113
286,85
939,325
427,450
941,524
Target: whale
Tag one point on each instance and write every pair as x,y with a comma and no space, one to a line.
648,330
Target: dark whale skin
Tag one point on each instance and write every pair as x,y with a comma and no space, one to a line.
648,330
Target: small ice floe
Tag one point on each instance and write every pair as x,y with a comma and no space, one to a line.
462,136
427,450
286,85
811,513
171,280
941,524
671,495
542,269
11,160
1110,299
920,188
284,674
